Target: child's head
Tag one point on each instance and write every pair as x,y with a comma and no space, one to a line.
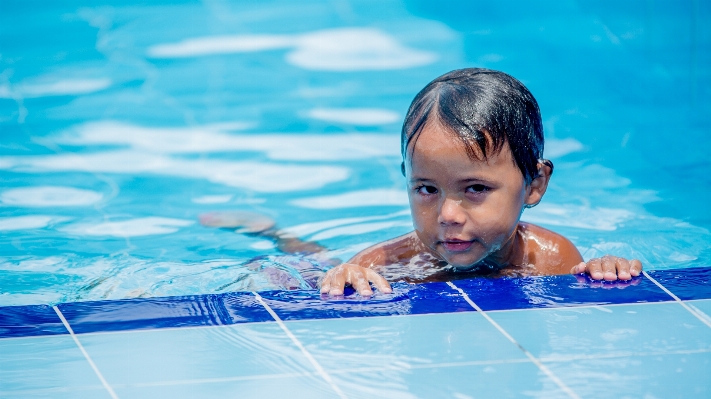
472,143
486,110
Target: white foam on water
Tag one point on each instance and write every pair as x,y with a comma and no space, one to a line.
555,148
263,245
257,176
355,116
353,199
145,226
341,49
212,199
211,45
583,217
29,222
680,257
288,147
47,196
355,49
60,87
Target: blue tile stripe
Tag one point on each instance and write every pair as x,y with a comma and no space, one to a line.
557,291
27,321
406,299
164,312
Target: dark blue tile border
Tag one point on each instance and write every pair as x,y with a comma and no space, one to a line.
557,291
691,283
149,313
27,321
407,299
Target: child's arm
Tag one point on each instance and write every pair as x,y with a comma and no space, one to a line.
257,224
554,254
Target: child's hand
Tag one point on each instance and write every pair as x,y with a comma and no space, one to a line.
609,268
357,276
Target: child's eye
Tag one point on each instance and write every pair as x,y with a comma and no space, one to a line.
477,188
426,190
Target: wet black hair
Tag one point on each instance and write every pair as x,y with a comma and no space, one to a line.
484,108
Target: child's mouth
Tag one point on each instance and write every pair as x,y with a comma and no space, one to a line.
456,245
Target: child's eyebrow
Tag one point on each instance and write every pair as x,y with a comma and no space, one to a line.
419,179
475,180
461,181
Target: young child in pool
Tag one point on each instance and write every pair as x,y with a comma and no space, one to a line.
472,147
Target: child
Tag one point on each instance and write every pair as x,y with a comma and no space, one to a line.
472,147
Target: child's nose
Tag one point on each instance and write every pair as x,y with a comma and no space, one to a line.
451,212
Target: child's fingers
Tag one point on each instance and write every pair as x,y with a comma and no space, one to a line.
337,282
326,284
635,267
380,282
357,279
623,269
594,267
579,268
609,267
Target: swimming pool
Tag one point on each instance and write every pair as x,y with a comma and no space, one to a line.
122,123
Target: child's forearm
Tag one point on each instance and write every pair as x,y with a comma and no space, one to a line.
291,244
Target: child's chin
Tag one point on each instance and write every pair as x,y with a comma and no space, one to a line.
470,264
462,265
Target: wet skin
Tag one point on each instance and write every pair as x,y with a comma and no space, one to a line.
466,213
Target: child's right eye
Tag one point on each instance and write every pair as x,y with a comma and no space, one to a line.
426,190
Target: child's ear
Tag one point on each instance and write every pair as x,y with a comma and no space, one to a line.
537,187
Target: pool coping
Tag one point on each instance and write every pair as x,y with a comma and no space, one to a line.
467,295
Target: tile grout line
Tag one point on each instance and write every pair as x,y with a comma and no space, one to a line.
301,347
702,317
84,352
528,354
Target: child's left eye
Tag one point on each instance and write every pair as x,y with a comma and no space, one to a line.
477,188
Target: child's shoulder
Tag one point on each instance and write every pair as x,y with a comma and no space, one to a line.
389,252
550,252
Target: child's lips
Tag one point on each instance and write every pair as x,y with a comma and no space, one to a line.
457,245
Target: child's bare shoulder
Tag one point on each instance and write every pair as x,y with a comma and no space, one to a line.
550,252
389,252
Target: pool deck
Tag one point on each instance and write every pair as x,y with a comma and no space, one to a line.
556,336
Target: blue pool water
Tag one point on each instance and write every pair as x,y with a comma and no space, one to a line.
121,122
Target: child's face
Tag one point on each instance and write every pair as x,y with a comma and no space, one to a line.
464,210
